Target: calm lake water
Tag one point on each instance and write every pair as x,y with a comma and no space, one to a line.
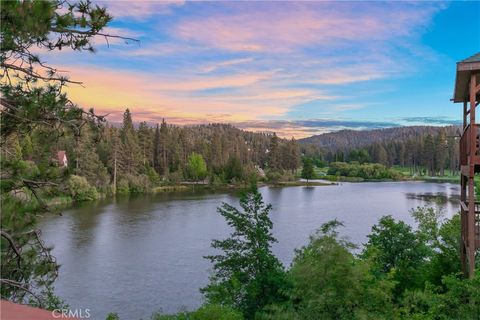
139,255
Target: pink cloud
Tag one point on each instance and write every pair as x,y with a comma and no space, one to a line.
179,97
139,9
287,26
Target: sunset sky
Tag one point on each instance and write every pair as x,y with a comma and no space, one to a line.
296,68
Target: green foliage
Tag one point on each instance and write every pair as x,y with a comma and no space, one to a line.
175,177
330,283
216,312
457,298
308,171
196,167
424,150
152,175
112,316
274,177
206,312
123,187
442,238
358,155
394,247
366,171
33,104
247,276
234,169
402,273
129,183
80,189
138,183
87,161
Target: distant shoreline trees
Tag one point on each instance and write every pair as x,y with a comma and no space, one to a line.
427,152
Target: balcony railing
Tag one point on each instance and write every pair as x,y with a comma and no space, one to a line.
465,146
476,227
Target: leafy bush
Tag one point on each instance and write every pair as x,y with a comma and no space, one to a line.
138,184
234,169
206,312
175,177
196,167
216,180
133,184
367,171
216,312
80,190
330,283
122,186
274,177
152,175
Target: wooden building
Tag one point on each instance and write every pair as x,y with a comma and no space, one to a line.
467,91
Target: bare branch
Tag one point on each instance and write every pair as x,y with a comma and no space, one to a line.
23,287
14,247
92,33
34,74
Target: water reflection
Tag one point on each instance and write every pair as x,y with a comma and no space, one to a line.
135,255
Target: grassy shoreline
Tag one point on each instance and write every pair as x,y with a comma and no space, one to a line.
65,200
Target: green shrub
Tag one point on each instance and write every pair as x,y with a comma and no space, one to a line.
373,171
138,184
274,177
216,312
80,190
122,186
175,177
206,312
152,175
216,181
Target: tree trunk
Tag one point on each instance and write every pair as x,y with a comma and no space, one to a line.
115,172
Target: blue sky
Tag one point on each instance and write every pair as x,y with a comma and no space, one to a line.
297,68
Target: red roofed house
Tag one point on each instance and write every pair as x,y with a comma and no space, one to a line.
62,159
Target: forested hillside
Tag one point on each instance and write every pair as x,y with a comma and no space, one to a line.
353,139
424,149
131,158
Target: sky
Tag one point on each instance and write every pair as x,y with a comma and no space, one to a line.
294,68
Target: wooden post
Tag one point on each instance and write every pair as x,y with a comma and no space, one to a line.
471,185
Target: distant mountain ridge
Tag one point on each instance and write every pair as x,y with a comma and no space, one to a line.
353,139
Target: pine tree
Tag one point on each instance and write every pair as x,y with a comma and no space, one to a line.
145,143
89,164
308,171
30,105
274,160
440,152
156,151
164,142
429,154
131,155
247,276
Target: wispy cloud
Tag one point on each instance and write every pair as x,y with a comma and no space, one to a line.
272,27
439,121
139,9
226,63
243,95
251,63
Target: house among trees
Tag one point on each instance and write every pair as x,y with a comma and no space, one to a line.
62,159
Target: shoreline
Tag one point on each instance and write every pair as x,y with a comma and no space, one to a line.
64,201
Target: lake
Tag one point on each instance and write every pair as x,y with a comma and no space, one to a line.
142,254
